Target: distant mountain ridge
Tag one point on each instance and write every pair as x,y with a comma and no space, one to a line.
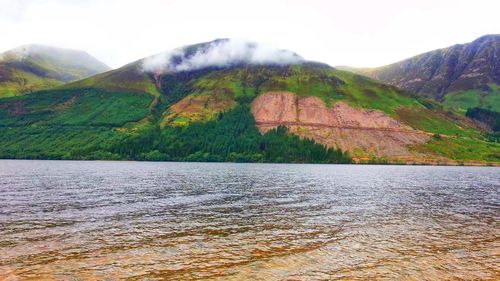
462,75
30,68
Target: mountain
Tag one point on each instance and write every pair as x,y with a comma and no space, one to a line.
35,67
461,76
231,100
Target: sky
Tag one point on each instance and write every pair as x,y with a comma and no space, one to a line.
347,32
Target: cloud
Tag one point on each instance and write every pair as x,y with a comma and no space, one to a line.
220,53
19,53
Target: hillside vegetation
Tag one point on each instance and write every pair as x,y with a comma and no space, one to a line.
30,68
204,114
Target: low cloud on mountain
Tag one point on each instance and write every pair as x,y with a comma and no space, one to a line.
221,53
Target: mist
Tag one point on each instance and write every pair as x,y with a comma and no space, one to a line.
219,53
19,53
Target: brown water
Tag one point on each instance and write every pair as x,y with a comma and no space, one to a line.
70,220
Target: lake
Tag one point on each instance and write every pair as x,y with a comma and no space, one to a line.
77,220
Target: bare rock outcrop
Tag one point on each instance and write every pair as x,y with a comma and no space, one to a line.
364,133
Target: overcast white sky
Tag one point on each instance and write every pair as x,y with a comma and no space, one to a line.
346,32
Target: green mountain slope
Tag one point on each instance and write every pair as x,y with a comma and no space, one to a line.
461,76
182,106
35,67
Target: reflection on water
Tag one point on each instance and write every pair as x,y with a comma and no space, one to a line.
70,220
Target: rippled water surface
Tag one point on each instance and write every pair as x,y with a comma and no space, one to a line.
70,220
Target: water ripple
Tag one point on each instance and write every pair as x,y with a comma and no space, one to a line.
67,220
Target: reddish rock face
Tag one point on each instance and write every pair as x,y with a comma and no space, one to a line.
364,133
286,108
313,110
275,107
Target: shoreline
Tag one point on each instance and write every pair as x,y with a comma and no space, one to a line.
355,162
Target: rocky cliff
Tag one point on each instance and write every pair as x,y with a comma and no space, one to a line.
460,68
363,133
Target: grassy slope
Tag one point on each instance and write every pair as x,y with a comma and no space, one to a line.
128,78
331,85
461,101
67,123
328,84
77,107
460,140
107,122
463,149
36,67
25,82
